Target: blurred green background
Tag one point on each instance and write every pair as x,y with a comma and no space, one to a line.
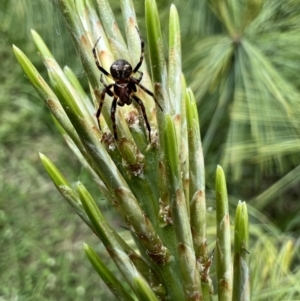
243,125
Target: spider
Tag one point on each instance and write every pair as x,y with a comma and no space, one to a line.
124,87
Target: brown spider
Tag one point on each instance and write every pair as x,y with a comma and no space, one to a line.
124,88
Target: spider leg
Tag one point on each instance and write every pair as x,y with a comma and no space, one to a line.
147,91
102,81
140,103
113,117
97,62
137,67
102,97
141,76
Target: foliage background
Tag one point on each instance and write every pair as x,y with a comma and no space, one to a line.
41,255
41,241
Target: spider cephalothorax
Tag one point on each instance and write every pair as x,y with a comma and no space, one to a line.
124,87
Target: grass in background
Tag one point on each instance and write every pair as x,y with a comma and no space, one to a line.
41,256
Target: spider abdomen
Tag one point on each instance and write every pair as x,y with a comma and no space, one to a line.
121,69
